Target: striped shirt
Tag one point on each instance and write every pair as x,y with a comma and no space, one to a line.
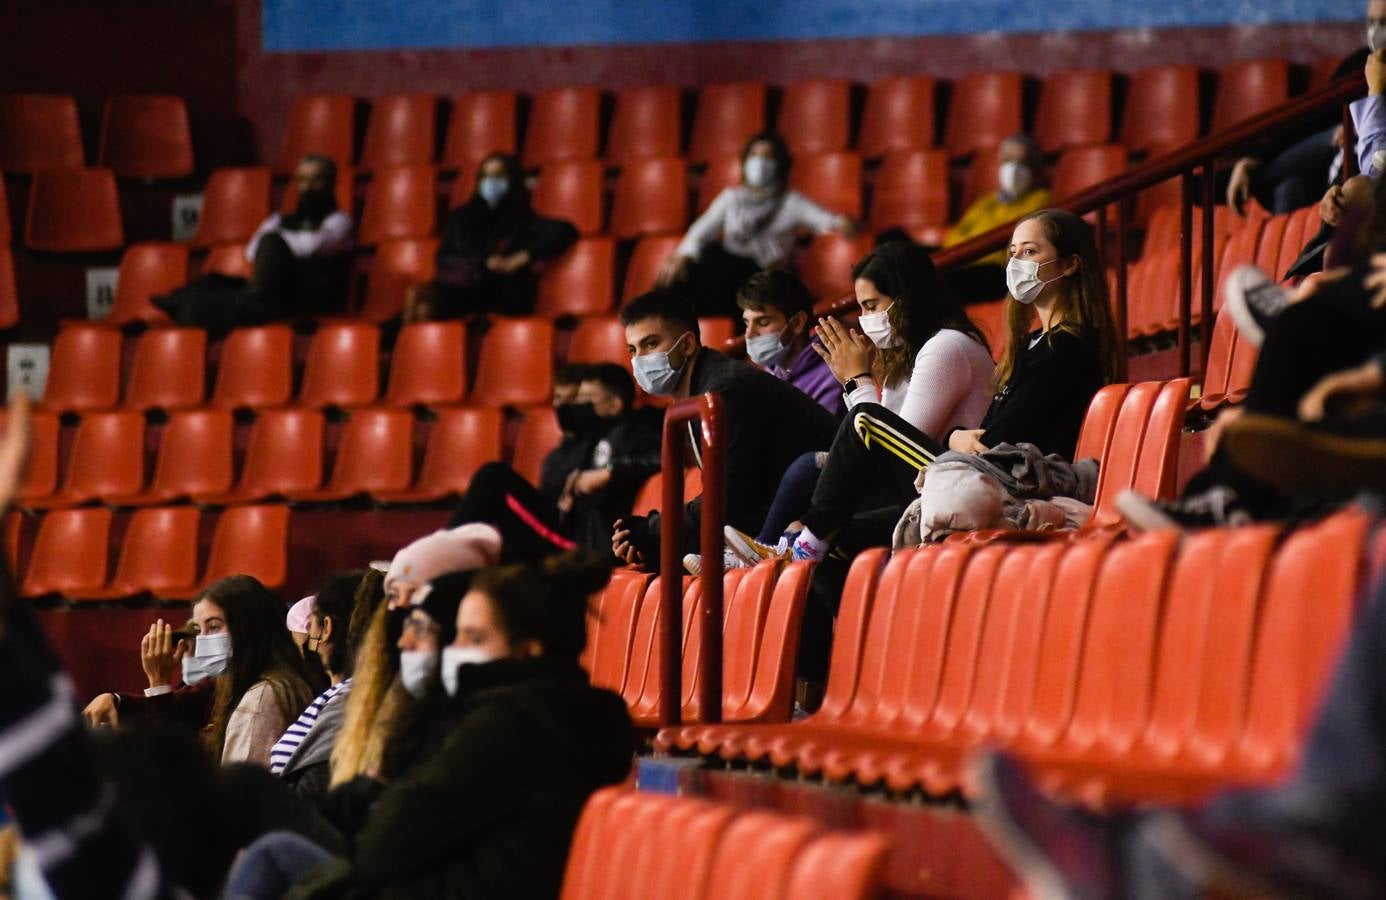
284,749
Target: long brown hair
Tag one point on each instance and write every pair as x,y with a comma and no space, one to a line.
1084,305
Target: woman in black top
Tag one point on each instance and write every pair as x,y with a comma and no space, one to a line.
488,250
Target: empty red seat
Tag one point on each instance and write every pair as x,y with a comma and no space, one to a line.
345,192
158,555
460,441
651,198
726,118
563,125
169,371
1075,109
73,211
826,267
429,365
69,555
396,267
516,364
715,331
9,295
256,368
646,125
400,203
571,190
581,282
228,259
376,453
194,458
832,180
1144,446
84,372
983,176
5,236
984,111
106,460
899,116
41,471
911,190
343,366
645,261
721,173
146,136
815,116
39,131
482,123
599,339
319,123
234,203
283,456
1249,88
400,131
147,271
1080,168
251,540
538,435
1162,108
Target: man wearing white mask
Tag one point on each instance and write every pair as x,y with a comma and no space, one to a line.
778,311
748,227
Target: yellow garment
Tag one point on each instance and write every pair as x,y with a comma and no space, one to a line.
990,212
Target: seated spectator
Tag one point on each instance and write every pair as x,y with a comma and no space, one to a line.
491,812
778,312
302,755
935,375
768,423
489,250
298,619
566,380
1021,191
749,227
587,482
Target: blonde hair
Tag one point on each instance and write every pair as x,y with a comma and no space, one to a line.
373,705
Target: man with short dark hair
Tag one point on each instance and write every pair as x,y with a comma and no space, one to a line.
778,311
769,424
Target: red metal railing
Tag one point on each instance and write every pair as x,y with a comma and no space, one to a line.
711,435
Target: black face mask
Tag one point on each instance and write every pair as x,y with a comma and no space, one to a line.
579,418
313,207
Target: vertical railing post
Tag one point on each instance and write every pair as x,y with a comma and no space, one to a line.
1185,266
1205,324
1123,312
712,517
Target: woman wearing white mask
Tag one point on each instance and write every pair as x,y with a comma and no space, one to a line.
748,227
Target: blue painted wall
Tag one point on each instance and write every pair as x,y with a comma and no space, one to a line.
326,25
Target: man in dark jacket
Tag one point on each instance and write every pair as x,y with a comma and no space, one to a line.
769,423
588,482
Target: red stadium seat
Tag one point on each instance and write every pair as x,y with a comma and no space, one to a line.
9,295
395,268
715,331
911,190
343,366
69,555
429,365
563,125
169,371
1248,88
826,267
460,441
721,173
400,203
73,211
84,373
815,116
984,111
39,131
651,198
345,192
600,339
319,123
41,471
1162,108
538,435
1075,109
1083,167
727,116
194,458
834,865
251,540
147,271
482,123
158,556
645,262
516,365
256,368
571,190
982,177
283,456
234,203
581,282
646,124
899,116
376,453
832,180
6,238
400,131
106,460
146,136
228,259
1143,450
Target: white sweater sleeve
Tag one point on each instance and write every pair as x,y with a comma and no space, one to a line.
865,393
333,236
707,227
270,224
807,214
940,381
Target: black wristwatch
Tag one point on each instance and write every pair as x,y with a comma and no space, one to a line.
850,385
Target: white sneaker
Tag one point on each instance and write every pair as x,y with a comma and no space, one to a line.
693,562
747,549
1253,299
1142,513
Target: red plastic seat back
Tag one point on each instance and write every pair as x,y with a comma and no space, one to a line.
343,366
159,553
461,441
376,452
1075,109
832,180
599,339
284,453
344,191
815,116
69,555
1080,168
73,211
234,203
755,853
727,116
319,123
1162,108
983,175
911,190
563,125
1096,433
646,124
195,454
1119,463
721,173
250,540
899,116
651,198
147,271
1159,452
516,365
41,471
39,131
146,136
228,259
571,190
256,368
107,457
482,123
170,369
645,262
984,111
429,365
84,373
826,267
400,131
581,282
400,203
1249,88
839,867
396,267
538,435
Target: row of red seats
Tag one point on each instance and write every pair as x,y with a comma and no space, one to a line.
1152,669
159,555
694,850
143,136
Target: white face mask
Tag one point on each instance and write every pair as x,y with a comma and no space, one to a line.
1376,37
211,654
1016,179
454,658
655,374
759,171
877,327
766,350
418,670
1023,281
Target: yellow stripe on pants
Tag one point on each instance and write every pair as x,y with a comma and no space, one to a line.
899,445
